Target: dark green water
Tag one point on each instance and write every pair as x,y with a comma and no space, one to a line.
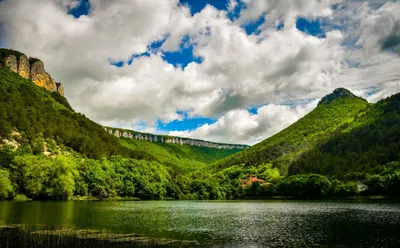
225,223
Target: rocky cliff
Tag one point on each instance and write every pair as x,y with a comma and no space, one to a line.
32,69
129,134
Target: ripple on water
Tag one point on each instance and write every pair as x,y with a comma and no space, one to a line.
227,223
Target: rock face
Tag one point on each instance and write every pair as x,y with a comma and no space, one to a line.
171,140
38,75
24,67
41,78
32,69
60,88
11,62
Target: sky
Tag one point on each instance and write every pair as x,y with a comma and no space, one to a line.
232,71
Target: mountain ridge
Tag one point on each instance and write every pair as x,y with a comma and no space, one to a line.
131,134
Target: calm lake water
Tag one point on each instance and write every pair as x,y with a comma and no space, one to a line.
225,223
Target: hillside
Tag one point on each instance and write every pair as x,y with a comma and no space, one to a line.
336,110
182,158
372,139
36,115
33,115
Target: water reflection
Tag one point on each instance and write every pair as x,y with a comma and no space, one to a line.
230,223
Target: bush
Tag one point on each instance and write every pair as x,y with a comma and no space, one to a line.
21,197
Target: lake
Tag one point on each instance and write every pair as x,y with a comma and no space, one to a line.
225,223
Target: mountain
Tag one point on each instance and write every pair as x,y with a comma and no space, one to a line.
344,134
334,110
364,145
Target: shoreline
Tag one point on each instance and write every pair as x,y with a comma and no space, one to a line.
277,198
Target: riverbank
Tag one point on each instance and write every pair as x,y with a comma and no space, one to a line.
283,198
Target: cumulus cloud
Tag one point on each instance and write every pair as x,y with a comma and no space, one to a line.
287,11
241,126
237,70
380,29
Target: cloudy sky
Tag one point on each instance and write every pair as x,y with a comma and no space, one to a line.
234,71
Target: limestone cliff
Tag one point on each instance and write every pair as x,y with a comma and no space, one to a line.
11,62
24,67
129,134
32,69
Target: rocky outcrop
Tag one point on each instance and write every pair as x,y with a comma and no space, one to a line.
60,88
11,62
32,69
339,93
41,78
169,139
24,67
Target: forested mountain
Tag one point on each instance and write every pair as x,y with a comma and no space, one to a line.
335,111
343,135
371,140
345,146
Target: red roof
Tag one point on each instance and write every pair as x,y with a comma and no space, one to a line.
251,179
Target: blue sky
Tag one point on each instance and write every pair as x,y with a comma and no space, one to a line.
185,54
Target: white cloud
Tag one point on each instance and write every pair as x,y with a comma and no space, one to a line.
285,10
238,70
241,126
377,25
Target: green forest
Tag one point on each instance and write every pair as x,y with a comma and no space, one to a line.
345,147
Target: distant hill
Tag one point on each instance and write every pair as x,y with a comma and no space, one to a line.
155,138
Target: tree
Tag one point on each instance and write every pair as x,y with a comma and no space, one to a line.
6,189
317,186
375,184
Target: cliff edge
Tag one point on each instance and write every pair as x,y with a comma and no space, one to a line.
29,68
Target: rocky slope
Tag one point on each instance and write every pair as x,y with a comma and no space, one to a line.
29,68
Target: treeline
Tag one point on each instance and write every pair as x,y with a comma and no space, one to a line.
61,177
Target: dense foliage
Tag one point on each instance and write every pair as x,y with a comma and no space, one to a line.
66,176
